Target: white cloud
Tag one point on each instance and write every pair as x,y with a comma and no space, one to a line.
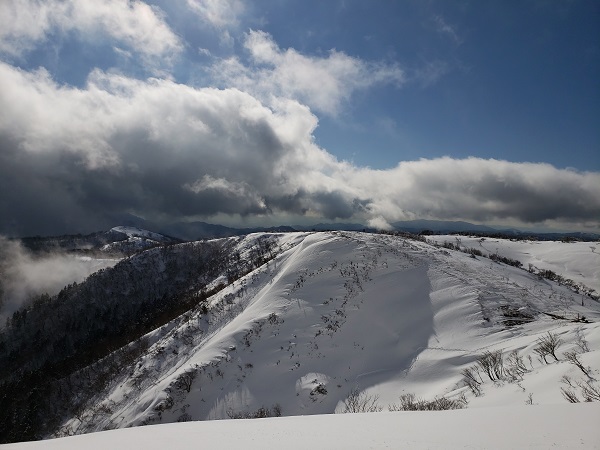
483,190
323,83
221,15
26,23
218,13
161,149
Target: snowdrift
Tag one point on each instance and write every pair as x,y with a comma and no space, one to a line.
311,324
335,312
551,426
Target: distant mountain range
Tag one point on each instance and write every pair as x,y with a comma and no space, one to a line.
203,230
449,227
191,231
441,226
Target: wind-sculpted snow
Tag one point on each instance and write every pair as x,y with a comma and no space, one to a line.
332,312
311,317
291,324
578,261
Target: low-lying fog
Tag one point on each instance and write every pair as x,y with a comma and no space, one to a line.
24,275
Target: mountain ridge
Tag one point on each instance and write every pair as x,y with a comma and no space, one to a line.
191,231
287,323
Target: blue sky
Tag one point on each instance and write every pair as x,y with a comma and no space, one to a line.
510,80
300,111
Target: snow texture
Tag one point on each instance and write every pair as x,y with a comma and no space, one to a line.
332,312
551,426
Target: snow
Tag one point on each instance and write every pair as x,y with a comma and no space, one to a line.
138,232
337,311
137,240
552,426
578,261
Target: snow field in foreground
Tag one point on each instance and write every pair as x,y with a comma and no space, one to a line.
549,426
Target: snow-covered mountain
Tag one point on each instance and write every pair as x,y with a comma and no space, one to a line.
120,239
130,240
306,323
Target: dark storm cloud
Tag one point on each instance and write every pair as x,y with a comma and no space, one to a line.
36,199
73,159
486,190
335,205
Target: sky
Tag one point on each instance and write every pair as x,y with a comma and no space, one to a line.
279,112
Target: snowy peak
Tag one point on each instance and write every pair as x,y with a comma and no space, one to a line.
134,232
135,239
333,312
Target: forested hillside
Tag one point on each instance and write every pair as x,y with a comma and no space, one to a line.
44,346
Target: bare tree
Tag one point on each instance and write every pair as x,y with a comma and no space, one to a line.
358,402
590,392
581,342
262,412
492,364
408,402
470,379
515,367
569,395
573,359
547,345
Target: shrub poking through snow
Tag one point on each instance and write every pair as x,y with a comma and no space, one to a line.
573,359
569,395
589,390
260,413
408,402
515,367
472,380
496,368
492,364
359,402
547,346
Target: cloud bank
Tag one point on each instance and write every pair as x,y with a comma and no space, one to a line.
24,275
25,24
71,158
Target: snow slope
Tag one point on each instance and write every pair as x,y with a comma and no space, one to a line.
337,311
140,233
555,426
137,240
578,261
